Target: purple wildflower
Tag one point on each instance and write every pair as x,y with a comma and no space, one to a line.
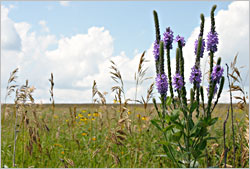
212,41
168,38
217,73
202,47
178,81
156,50
162,83
181,40
195,76
215,90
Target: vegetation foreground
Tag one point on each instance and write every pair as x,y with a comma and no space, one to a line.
95,136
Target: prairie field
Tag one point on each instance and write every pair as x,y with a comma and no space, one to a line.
181,103
94,135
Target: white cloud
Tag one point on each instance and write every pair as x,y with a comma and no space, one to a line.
44,26
64,3
10,39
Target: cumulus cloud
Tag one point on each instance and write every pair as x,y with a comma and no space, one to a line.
64,3
78,60
10,39
44,26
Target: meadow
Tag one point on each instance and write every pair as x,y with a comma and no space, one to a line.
96,136
177,131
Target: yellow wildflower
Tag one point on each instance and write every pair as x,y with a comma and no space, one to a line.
94,139
93,119
84,134
143,118
89,114
67,120
84,111
55,116
62,152
138,115
76,117
129,112
80,115
122,152
96,114
115,101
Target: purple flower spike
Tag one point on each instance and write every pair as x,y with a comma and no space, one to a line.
212,41
215,90
162,83
217,73
202,47
178,81
156,50
195,76
180,39
168,38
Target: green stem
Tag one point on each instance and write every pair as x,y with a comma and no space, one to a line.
183,89
169,76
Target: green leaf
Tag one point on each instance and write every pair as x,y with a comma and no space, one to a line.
211,138
212,121
168,153
166,143
190,123
195,132
193,107
175,114
169,127
169,101
202,145
179,125
154,122
167,118
176,136
196,153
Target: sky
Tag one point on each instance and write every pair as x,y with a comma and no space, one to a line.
77,40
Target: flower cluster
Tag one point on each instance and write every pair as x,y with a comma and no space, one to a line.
195,77
215,90
217,73
216,76
162,83
178,81
168,38
156,50
202,47
181,40
212,41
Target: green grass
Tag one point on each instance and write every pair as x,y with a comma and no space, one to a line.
63,145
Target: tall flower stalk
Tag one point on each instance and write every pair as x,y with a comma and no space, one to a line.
157,41
181,43
212,41
168,40
185,139
196,74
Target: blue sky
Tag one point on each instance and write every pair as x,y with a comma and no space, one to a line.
77,40
130,23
